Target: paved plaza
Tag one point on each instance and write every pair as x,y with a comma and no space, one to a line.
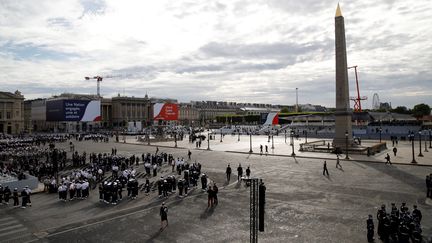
302,205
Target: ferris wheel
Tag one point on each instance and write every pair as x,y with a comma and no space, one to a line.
375,102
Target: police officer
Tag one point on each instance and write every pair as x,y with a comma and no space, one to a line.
370,229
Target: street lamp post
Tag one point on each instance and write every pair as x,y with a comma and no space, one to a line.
411,137
346,145
420,135
292,142
305,136
250,139
286,130
238,139
221,136
175,140
272,142
430,138
426,150
208,141
380,131
149,134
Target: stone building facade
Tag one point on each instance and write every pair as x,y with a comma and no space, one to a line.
11,112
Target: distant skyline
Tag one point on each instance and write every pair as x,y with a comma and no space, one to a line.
256,51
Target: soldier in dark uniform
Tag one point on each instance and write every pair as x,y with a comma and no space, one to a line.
15,197
380,216
385,228
180,187
7,193
165,188
228,173
163,212
370,229
416,214
1,194
24,197
101,192
394,210
160,186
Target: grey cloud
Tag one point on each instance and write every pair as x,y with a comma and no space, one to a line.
59,22
287,51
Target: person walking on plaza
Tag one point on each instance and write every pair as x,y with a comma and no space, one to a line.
388,159
189,154
248,172
210,197
394,151
266,149
163,212
228,173
261,149
325,171
338,162
239,172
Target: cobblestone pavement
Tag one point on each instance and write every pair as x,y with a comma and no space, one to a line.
302,204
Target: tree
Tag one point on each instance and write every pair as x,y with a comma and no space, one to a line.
401,110
421,110
285,110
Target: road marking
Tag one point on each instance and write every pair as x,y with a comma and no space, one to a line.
12,230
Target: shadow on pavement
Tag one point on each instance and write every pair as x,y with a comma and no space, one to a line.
207,213
400,175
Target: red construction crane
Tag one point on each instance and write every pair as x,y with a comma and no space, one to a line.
357,100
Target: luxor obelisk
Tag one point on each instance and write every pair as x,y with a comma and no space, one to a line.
343,115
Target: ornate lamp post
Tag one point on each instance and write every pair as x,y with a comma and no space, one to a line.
208,140
420,135
221,136
272,142
346,145
250,139
286,130
380,131
425,139
238,139
430,138
175,140
292,142
411,138
306,136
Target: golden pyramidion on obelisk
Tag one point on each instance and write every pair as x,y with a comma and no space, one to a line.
338,11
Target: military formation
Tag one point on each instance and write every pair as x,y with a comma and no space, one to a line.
397,224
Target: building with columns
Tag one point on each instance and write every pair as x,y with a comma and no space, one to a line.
11,112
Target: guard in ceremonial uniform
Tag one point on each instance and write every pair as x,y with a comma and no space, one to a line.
370,229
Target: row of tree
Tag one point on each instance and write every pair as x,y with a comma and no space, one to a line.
419,110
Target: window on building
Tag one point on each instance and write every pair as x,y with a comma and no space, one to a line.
1,115
8,115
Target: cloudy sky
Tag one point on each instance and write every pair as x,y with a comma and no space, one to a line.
233,50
